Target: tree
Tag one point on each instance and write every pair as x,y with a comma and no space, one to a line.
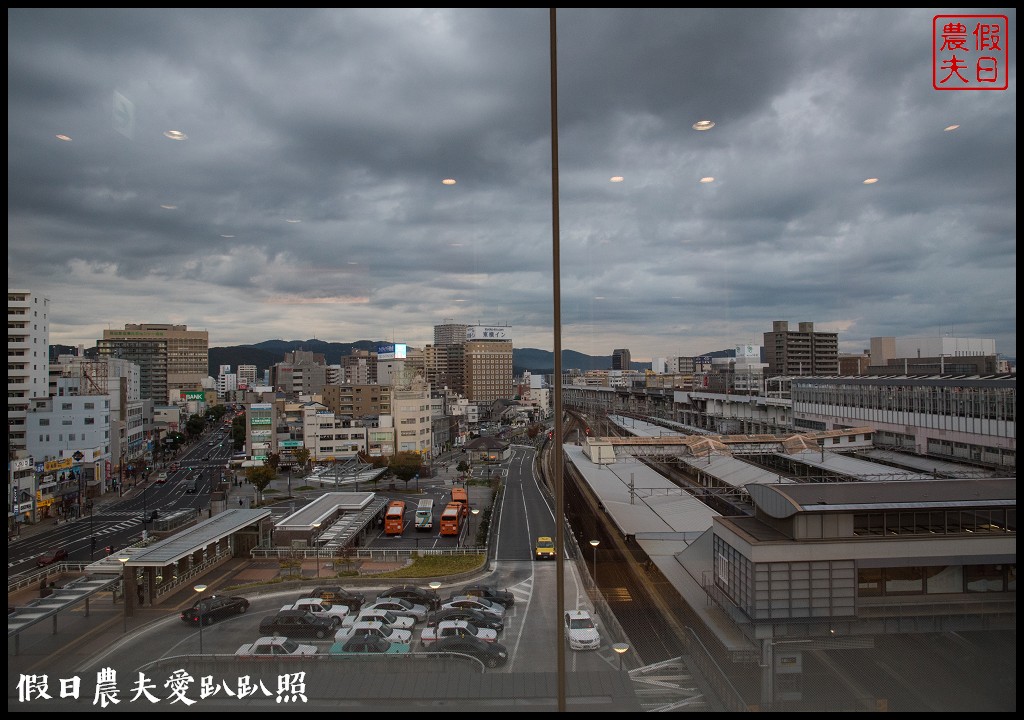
195,425
463,466
533,431
301,457
238,431
260,477
273,461
405,466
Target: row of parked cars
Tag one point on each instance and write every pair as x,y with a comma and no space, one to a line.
467,623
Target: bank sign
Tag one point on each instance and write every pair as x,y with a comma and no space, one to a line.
392,351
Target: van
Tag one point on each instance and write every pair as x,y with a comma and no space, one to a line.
460,496
425,515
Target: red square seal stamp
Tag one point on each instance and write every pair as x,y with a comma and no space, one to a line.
970,52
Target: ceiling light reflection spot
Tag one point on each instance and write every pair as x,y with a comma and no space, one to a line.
703,124
948,128
871,181
707,180
599,297
448,181
227,236
616,178
65,138
175,135
291,220
169,207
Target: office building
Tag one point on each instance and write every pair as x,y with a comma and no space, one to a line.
488,364
171,358
621,359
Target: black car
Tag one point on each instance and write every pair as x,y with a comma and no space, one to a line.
297,623
491,654
213,608
489,592
481,620
417,595
339,596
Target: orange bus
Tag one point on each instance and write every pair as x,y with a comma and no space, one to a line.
460,496
394,519
451,519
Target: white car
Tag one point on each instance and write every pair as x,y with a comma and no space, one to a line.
375,628
581,630
489,607
400,606
402,622
275,646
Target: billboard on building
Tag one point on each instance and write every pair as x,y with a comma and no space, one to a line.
488,332
748,351
392,351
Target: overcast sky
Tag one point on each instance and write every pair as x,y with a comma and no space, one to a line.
307,200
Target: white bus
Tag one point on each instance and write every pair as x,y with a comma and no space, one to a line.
425,515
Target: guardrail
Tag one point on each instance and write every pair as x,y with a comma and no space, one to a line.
22,581
362,554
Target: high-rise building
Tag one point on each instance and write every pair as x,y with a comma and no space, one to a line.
28,361
621,359
445,360
246,375
487,357
300,373
169,356
800,352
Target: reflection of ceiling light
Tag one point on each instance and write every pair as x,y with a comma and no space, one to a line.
871,181
460,301
599,297
352,262
227,236
169,207
448,181
455,244
175,135
703,124
293,221
677,297
707,179
948,128
65,138
617,178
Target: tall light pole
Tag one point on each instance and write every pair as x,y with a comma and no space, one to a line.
200,589
434,586
620,649
124,582
594,544
316,546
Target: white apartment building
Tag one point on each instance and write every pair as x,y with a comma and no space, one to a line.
28,360
411,409
246,375
329,437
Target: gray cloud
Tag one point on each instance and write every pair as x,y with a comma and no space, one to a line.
347,120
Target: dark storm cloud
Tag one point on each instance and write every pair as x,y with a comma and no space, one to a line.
347,120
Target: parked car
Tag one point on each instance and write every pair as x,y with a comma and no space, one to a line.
402,622
581,630
455,628
368,645
489,592
491,654
54,556
161,478
321,608
474,603
297,623
480,619
414,594
373,627
215,607
275,646
400,606
339,596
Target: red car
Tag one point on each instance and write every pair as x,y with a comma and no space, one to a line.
54,556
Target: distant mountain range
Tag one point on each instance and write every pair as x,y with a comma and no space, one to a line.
541,362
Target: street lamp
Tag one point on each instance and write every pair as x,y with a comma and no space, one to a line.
124,584
594,544
621,649
434,586
200,589
475,511
316,546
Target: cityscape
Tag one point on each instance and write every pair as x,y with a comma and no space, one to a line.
654,360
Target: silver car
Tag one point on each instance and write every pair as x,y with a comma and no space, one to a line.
489,607
399,607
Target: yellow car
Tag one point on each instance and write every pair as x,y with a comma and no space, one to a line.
545,549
